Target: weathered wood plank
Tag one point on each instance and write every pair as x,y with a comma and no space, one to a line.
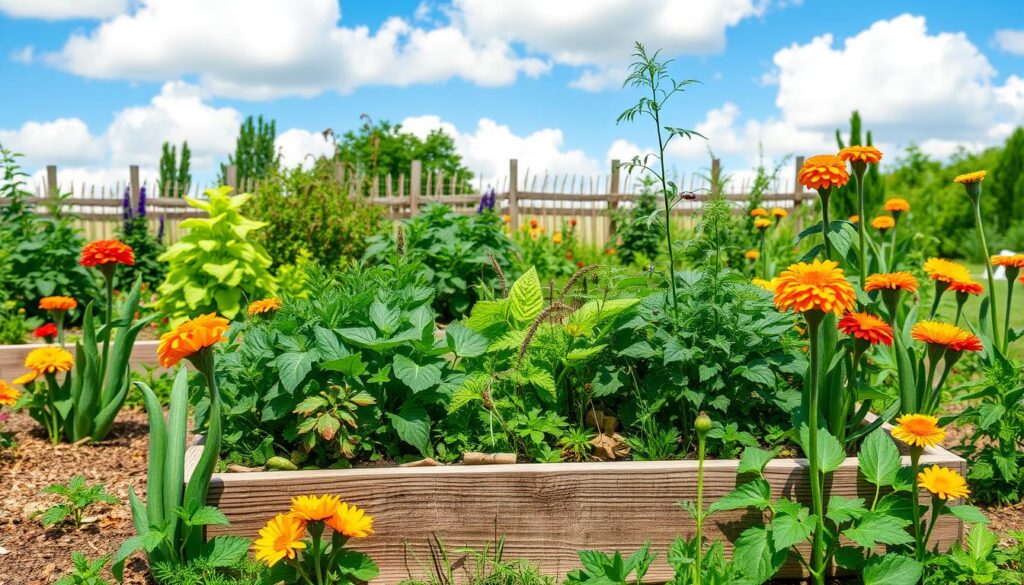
12,357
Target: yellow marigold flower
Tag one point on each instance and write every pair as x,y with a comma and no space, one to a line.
190,337
762,223
883,222
945,483
919,429
8,394
823,171
970,287
752,254
897,205
768,285
351,521
57,303
49,359
264,306
556,238
946,270
506,218
891,280
26,378
280,538
865,154
759,212
779,212
969,178
1011,261
314,508
854,219
946,335
867,327
819,286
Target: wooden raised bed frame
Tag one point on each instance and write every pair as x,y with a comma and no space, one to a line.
12,357
546,512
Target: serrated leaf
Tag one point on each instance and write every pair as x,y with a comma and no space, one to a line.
327,426
418,378
879,528
310,404
756,493
293,366
879,459
755,556
584,354
789,529
526,298
413,426
225,551
843,509
753,460
892,569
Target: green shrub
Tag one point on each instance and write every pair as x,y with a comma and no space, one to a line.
217,267
310,210
134,232
452,253
85,572
77,498
640,240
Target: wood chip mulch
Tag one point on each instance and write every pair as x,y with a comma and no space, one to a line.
32,555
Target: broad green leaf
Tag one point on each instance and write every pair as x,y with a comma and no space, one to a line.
830,452
225,551
413,426
879,459
487,314
843,509
791,529
384,317
584,354
759,374
357,565
981,541
969,514
351,365
754,555
756,493
464,342
753,460
892,569
418,378
879,528
526,298
608,380
207,516
293,366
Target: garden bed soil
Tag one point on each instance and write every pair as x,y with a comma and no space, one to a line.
33,555
12,357
545,512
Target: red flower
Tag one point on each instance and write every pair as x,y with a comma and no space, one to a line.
46,331
103,252
579,264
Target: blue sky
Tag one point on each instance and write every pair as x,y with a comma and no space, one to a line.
94,85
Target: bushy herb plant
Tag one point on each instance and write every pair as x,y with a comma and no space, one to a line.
979,558
76,497
217,267
452,252
85,572
639,239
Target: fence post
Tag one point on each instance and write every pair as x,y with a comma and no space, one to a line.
613,196
133,179
513,193
798,194
52,191
416,176
716,177
232,177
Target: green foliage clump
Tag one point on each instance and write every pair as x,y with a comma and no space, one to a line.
210,571
639,237
979,559
255,156
217,266
484,566
147,248
553,256
76,497
312,210
175,177
1008,184
452,252
85,572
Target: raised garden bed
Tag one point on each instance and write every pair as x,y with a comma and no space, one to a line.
12,357
546,512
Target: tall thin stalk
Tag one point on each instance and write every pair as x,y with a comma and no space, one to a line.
817,568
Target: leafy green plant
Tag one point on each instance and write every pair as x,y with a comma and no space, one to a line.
552,256
298,202
13,324
484,566
254,157
612,569
210,571
175,177
85,572
217,266
453,254
76,497
134,232
979,559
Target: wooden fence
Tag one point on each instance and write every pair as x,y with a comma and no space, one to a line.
549,199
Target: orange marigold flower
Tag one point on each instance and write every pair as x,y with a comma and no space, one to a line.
897,205
779,212
314,508
533,223
190,337
819,286
970,287
57,303
26,378
891,280
280,538
752,254
946,270
762,223
264,306
865,154
867,327
107,252
759,212
854,219
883,222
919,429
945,483
1009,261
351,521
969,178
8,394
506,218
823,171
945,334
49,360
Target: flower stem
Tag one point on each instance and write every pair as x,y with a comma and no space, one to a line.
698,567
817,569
988,270
826,224
1011,277
915,501
664,192
892,247
860,227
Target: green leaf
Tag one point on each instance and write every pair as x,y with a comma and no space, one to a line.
892,569
756,493
759,374
487,314
608,380
357,565
981,541
464,342
830,452
418,378
879,528
225,551
969,514
351,365
526,297
879,459
789,529
384,317
843,509
207,516
310,404
584,354
327,426
754,555
413,426
293,366
754,460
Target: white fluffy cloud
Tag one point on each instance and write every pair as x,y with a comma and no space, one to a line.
260,49
1010,41
299,147
62,9
61,141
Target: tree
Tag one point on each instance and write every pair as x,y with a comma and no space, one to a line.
844,200
1008,181
174,175
384,148
254,156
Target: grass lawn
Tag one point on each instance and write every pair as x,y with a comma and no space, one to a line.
948,306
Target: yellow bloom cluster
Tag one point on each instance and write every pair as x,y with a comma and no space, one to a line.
282,536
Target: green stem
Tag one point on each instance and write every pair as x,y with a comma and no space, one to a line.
826,224
988,270
1011,277
316,529
764,257
940,288
915,501
861,229
51,383
59,317
664,193
892,248
936,509
817,498
698,567
302,572
108,279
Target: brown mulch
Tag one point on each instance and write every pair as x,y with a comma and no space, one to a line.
32,555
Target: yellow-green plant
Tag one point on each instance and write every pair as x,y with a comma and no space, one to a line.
217,266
